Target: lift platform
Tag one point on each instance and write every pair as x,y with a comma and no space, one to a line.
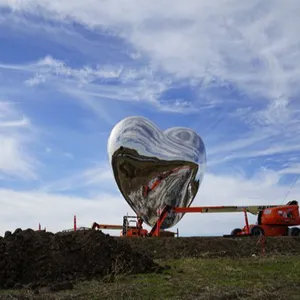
273,220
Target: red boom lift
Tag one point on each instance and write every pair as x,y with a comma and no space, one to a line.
136,230
273,220
126,230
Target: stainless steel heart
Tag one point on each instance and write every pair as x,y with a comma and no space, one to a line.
153,168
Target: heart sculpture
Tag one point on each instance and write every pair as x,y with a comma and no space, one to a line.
153,168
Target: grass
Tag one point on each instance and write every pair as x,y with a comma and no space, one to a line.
276,277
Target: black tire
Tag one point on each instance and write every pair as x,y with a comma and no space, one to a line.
257,231
294,231
236,231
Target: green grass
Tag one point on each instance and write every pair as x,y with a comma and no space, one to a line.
223,278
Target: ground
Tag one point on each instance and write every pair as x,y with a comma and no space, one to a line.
196,268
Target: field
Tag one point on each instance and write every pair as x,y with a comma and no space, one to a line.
193,268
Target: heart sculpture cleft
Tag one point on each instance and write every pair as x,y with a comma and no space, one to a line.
153,168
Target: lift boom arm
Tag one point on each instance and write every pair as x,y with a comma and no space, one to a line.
106,226
253,209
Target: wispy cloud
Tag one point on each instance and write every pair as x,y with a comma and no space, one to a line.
15,123
94,177
291,169
15,157
250,49
209,42
33,208
48,67
91,85
267,143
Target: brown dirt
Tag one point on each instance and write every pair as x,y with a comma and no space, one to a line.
42,258
213,247
35,259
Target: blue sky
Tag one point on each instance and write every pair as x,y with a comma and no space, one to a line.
70,71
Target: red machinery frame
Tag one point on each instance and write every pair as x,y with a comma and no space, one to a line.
275,219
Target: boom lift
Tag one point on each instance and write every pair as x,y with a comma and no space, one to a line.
136,230
273,220
126,230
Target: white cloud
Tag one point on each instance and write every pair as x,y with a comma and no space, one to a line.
235,190
68,155
97,176
291,169
264,142
26,209
15,158
48,67
37,79
91,85
253,45
290,150
16,123
13,161
249,46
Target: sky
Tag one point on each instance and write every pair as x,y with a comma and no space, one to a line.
70,70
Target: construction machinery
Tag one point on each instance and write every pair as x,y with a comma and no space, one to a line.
135,230
127,229
273,220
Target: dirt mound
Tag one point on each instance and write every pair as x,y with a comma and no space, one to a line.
42,258
214,247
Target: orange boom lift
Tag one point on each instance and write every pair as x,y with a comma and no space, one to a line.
126,230
273,220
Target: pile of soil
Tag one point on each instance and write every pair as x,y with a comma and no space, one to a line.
214,247
38,258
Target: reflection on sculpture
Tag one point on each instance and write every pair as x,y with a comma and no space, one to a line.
153,168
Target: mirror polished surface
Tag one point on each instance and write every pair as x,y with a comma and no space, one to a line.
153,167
